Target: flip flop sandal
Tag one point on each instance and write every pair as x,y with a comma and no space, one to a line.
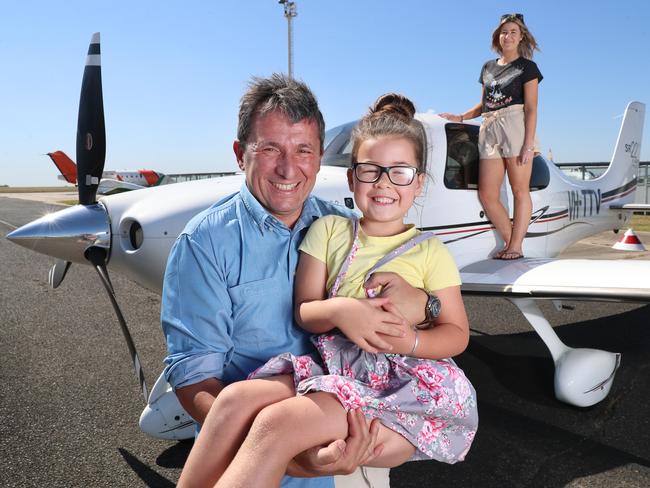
510,256
498,254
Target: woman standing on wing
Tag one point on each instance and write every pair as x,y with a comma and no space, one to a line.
507,135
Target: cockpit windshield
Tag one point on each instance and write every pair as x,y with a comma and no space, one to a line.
338,146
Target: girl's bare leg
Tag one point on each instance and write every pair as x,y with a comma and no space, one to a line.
282,430
397,450
519,177
490,178
227,424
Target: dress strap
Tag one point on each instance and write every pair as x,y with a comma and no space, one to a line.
398,251
350,257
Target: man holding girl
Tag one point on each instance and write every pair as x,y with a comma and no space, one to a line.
227,299
228,289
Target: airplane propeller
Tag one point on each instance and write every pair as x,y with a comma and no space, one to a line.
58,272
91,141
97,256
91,131
91,155
82,233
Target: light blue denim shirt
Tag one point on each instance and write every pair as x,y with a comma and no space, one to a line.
227,302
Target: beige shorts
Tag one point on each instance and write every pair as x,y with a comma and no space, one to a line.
502,133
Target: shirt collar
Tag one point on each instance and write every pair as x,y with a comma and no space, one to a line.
310,212
263,219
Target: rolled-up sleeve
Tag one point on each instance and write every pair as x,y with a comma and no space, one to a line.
195,314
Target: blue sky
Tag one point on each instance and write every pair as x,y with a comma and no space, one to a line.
174,71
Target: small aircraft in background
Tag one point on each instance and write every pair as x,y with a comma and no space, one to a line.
132,233
110,181
124,180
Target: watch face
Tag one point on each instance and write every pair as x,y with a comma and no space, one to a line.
436,307
433,307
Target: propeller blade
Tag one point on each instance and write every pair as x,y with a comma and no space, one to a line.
91,133
97,256
57,272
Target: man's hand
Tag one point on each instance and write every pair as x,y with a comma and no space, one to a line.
341,456
364,321
409,301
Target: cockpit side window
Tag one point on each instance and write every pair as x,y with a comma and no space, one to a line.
461,168
541,176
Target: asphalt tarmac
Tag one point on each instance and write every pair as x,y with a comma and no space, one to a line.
70,403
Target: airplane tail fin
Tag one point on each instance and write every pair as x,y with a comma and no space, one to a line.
65,165
624,167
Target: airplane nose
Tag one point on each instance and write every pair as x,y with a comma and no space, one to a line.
68,233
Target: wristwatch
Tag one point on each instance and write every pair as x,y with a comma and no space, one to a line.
432,308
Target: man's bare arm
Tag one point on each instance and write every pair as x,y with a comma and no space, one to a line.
197,399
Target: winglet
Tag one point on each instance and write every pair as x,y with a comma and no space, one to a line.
65,165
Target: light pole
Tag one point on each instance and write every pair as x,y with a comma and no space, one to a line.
289,12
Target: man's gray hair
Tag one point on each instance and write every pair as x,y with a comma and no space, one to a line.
278,93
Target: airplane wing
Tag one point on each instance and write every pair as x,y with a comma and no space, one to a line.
634,207
109,186
578,279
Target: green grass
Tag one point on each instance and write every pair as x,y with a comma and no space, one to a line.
641,223
35,189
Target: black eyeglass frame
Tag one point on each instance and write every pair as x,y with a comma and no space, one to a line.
519,17
385,169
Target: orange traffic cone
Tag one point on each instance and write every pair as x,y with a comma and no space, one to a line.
629,242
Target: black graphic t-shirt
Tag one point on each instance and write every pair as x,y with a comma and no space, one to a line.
504,85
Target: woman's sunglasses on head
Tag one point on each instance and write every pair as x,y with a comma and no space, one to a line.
519,17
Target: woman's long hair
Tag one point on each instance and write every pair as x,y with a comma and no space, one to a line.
528,43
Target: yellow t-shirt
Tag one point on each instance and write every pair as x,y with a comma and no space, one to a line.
428,265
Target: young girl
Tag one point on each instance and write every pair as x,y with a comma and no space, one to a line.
426,405
507,135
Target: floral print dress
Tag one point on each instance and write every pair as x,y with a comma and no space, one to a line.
429,402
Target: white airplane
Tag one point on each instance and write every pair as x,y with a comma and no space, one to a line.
111,181
132,233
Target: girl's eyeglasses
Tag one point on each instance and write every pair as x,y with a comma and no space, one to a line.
369,172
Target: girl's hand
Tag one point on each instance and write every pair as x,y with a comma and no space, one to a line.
410,301
452,117
364,321
526,155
